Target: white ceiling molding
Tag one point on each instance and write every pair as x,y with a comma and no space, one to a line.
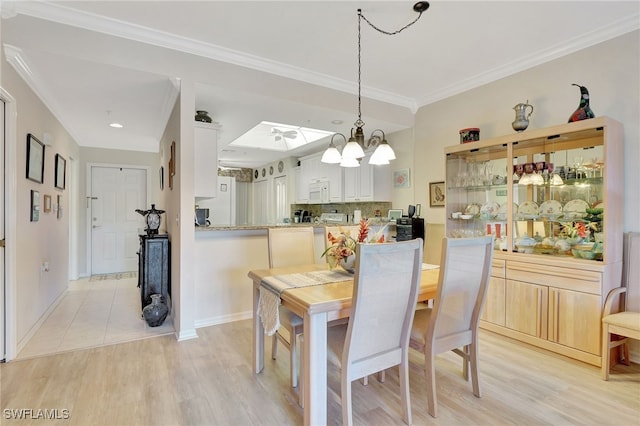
598,35
89,21
17,60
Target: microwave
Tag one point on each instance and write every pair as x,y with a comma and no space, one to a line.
319,192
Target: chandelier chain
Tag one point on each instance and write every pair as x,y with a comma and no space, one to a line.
390,32
359,123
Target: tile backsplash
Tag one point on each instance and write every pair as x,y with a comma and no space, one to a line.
368,209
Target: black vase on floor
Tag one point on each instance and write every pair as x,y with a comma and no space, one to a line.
156,312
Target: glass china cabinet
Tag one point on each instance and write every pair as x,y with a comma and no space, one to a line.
552,199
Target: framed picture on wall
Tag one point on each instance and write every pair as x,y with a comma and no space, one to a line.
35,159
35,206
59,206
436,194
61,171
47,203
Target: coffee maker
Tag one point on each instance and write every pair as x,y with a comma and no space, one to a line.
202,217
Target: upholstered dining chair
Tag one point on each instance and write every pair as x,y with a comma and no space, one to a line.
626,323
452,323
290,246
385,291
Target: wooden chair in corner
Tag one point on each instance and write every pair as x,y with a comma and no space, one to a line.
452,323
290,246
385,292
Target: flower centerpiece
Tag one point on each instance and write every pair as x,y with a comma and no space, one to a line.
342,250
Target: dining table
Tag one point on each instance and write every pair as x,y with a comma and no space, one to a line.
317,305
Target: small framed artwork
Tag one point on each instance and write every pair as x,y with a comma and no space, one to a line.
61,169
395,214
436,194
59,206
401,178
172,164
223,187
161,178
35,206
35,159
47,203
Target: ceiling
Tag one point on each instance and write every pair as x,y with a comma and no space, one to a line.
291,62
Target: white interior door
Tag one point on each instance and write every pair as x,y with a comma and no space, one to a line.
116,192
282,204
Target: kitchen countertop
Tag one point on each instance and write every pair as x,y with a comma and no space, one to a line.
279,225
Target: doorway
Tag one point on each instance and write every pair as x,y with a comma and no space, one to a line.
116,193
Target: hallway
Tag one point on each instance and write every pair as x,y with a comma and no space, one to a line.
94,312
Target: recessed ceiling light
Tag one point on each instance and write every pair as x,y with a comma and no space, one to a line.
337,121
116,125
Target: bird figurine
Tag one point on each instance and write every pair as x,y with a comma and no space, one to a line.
584,111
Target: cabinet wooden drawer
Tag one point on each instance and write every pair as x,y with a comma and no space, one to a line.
553,276
497,268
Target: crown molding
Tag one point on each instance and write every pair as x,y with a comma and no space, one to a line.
16,58
113,27
599,35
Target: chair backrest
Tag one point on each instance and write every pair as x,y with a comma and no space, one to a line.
464,274
291,246
385,292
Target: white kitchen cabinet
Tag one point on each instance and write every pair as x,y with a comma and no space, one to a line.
367,182
205,164
312,169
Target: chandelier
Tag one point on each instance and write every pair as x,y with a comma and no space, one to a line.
354,148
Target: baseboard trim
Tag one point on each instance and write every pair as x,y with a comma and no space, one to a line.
223,319
34,329
183,335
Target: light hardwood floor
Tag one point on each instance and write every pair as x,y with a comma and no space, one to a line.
209,381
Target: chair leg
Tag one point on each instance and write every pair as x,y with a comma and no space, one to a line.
274,346
473,360
293,355
405,393
347,414
381,376
606,351
430,374
465,362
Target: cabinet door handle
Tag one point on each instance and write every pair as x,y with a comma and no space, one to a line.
539,321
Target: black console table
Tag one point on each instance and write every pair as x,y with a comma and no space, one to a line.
153,268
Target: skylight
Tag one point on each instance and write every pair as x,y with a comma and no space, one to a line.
279,137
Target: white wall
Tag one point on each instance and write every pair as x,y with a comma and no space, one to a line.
48,239
611,72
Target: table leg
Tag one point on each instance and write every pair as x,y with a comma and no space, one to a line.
315,369
258,332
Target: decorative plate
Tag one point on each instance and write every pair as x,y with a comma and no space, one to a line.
280,166
256,174
489,210
575,209
270,170
502,211
472,208
528,210
264,172
551,209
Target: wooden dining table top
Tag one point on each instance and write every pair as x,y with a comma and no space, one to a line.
333,298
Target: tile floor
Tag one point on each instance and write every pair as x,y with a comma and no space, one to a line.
93,313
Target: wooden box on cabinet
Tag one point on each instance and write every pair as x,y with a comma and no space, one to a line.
549,298
153,268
